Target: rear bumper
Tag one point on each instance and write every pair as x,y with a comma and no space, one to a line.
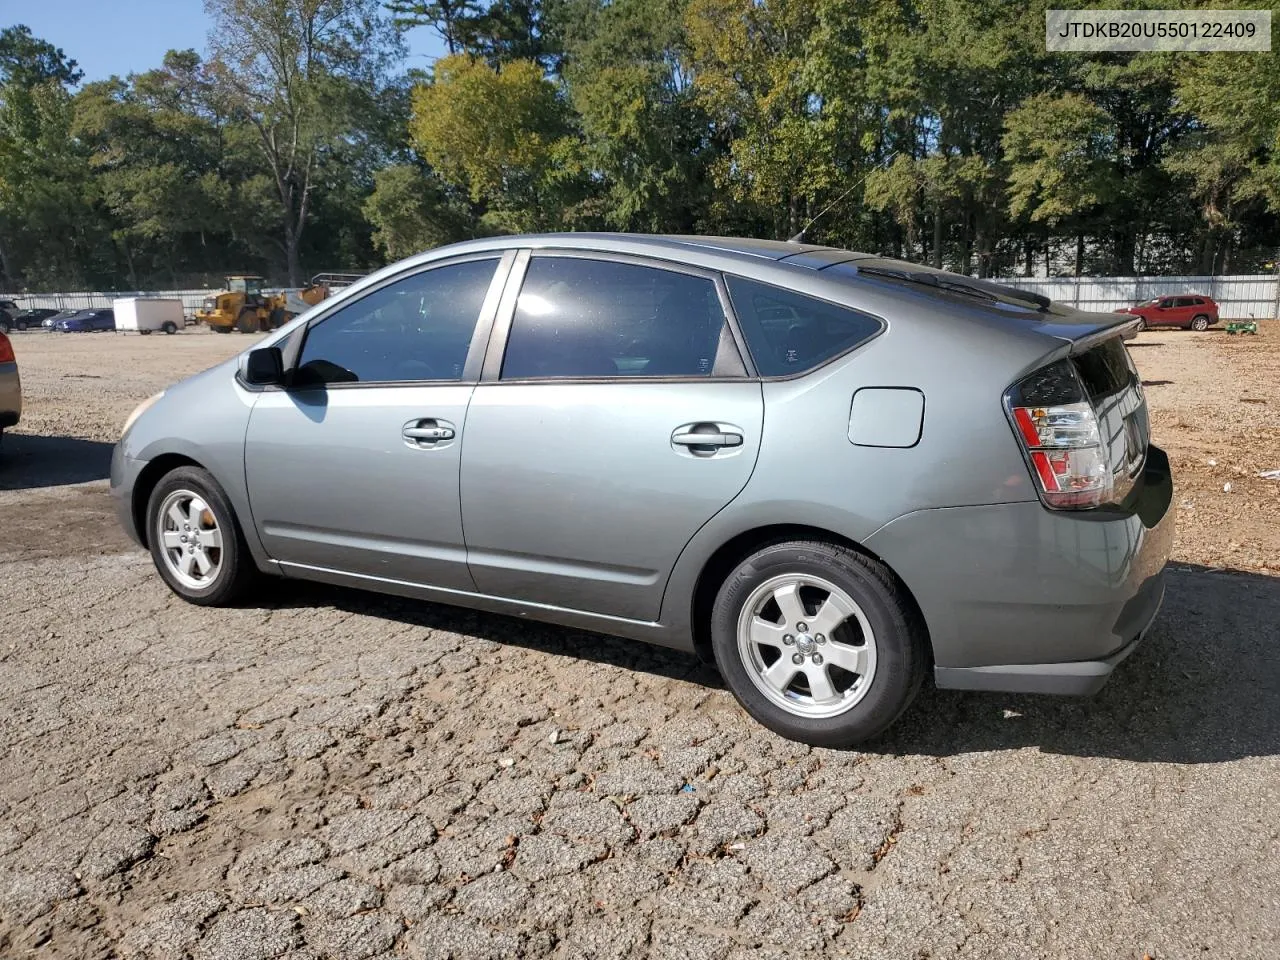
1020,598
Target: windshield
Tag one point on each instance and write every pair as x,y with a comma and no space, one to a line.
244,284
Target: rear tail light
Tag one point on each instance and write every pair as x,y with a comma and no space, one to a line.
6,350
1080,457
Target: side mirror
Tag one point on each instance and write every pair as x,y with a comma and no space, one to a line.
264,367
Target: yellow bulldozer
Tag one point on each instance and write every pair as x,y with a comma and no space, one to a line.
247,307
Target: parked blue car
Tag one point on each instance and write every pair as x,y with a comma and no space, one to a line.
87,320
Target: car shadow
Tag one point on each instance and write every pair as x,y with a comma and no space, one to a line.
28,461
1204,687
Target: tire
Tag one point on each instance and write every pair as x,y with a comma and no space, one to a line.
231,569
22,325
889,663
1200,323
5,327
169,327
145,333
1142,324
247,321
221,329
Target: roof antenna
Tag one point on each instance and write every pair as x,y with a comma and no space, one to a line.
799,237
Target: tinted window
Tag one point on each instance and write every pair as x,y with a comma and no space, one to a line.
418,328
1186,302
596,318
789,332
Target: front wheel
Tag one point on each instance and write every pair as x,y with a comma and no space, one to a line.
1200,323
195,540
1142,324
818,642
247,322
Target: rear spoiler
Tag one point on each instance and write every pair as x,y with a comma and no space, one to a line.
1085,330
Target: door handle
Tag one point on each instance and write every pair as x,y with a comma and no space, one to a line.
427,432
691,439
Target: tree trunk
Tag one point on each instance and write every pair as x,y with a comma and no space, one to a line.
1028,254
1079,254
937,236
291,256
6,274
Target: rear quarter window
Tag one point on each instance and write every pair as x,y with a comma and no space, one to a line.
789,333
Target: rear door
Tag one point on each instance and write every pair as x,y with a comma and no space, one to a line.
354,468
614,418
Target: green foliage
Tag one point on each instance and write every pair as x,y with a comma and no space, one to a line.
410,211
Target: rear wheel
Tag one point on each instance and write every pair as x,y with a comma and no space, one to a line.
169,327
818,642
22,324
145,333
195,540
1200,323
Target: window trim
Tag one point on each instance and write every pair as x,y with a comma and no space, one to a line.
834,358
731,362
479,336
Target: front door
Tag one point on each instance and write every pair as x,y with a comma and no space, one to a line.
354,468
619,424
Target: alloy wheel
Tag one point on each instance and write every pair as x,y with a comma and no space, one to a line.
191,538
807,645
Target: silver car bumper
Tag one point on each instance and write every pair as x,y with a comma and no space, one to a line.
1023,599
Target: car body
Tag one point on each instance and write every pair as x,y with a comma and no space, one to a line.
31,318
48,323
87,321
1191,310
10,386
702,443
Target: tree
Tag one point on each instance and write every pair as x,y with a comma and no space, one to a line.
411,211
645,134
502,136
456,21
1059,150
299,71
27,60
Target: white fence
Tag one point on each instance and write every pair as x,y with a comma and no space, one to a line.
85,300
1237,297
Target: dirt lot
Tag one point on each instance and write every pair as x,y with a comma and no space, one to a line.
335,774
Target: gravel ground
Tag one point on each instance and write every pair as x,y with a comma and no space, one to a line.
335,774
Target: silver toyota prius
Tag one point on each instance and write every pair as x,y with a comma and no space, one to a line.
828,473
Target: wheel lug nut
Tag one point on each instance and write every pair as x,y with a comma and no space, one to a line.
820,638
817,658
788,639
802,627
797,658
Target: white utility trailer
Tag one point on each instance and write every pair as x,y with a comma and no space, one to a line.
145,314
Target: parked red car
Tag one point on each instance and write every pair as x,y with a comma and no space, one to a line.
1191,310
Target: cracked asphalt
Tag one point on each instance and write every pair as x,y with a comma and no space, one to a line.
328,773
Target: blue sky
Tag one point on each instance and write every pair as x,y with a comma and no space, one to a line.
130,36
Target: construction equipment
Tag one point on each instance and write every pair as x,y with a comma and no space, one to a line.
1243,326
246,305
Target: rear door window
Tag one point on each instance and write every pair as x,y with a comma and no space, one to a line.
583,318
790,333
